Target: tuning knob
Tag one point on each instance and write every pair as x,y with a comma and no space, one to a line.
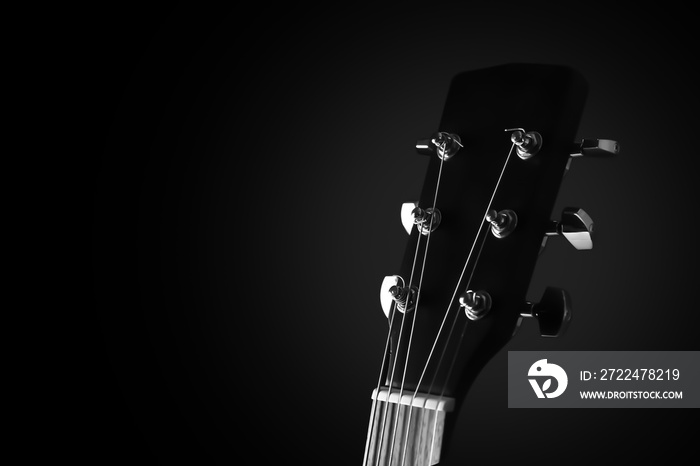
553,312
407,216
595,148
575,225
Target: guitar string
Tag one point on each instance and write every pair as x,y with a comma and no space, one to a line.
449,373
454,323
392,312
483,241
391,382
457,287
414,316
386,350
455,352
415,310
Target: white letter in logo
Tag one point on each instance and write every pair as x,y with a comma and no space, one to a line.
542,368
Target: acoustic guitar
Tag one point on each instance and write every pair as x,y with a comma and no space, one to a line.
503,145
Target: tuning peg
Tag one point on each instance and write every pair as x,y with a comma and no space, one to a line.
553,312
595,148
575,225
407,216
385,295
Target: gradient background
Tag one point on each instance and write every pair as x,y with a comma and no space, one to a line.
247,179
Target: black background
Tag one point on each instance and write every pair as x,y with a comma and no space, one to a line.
245,184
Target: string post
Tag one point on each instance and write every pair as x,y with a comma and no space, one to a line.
404,297
527,143
426,220
502,223
476,304
445,145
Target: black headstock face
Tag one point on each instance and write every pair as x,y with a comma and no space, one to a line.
435,347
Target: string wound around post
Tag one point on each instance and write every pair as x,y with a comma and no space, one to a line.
476,304
445,145
528,143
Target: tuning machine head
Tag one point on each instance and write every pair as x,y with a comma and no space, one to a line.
595,148
553,312
385,295
575,225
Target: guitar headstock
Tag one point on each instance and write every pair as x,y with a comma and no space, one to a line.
496,164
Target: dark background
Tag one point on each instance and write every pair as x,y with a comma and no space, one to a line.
245,183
